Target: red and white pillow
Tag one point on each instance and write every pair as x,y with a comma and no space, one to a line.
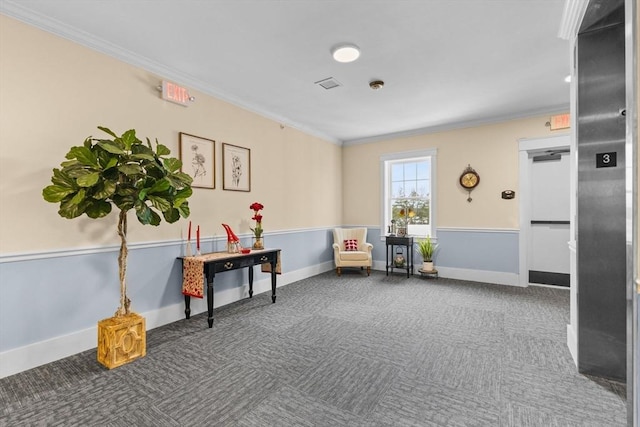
351,245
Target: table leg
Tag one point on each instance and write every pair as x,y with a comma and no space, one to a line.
387,255
273,281
210,302
187,306
251,282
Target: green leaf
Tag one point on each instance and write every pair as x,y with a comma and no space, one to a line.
88,180
70,210
130,169
143,156
184,209
155,219
69,163
111,163
84,155
172,164
106,189
78,198
56,193
77,171
98,209
143,213
160,186
180,180
62,179
107,130
185,193
111,147
124,203
160,203
171,216
129,138
162,150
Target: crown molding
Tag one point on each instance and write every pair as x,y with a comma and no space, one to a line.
571,18
458,125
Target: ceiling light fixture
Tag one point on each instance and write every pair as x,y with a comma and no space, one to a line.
346,53
568,79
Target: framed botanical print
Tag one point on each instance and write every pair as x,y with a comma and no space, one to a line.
198,156
236,168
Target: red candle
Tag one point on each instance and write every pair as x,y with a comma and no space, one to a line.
198,238
189,234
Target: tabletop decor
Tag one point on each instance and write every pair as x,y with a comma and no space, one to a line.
256,207
124,172
233,242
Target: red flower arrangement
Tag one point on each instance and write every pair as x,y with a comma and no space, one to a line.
256,208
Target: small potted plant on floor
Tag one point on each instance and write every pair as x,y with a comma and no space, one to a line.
128,174
426,248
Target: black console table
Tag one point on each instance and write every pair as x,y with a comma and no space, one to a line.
393,241
219,262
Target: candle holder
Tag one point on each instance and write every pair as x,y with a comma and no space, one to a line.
187,251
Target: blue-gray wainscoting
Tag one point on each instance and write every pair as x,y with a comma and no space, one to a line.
51,302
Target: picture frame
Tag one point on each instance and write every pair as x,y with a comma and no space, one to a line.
198,156
236,168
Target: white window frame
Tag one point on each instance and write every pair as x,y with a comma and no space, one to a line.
385,166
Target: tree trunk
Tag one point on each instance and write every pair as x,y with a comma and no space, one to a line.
122,264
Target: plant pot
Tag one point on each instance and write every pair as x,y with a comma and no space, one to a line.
427,266
121,340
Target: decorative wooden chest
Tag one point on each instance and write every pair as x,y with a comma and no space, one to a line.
121,340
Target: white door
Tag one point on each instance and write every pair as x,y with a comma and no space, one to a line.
549,218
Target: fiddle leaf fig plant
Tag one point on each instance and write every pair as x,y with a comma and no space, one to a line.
124,172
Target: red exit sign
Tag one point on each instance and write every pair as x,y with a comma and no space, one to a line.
560,121
175,93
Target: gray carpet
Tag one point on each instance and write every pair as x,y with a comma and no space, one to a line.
338,351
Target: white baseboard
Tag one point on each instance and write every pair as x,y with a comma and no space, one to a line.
572,343
30,356
497,277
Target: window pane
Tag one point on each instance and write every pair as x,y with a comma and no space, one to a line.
423,188
424,171
397,172
397,189
410,170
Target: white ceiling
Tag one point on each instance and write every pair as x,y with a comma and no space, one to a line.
445,63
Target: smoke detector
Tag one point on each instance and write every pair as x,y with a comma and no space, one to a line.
376,84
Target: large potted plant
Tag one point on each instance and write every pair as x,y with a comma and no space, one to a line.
124,172
426,248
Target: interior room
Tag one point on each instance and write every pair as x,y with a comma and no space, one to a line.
428,210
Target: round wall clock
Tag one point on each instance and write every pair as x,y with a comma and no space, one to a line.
469,179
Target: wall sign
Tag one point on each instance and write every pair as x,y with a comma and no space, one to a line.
606,160
560,121
175,93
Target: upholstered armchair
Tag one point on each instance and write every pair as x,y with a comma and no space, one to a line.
350,249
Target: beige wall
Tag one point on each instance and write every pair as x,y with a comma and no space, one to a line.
53,94
492,150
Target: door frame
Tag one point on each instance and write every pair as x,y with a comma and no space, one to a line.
527,147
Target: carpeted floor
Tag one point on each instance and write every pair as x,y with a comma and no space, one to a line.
338,351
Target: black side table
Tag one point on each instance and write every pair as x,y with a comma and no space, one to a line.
392,241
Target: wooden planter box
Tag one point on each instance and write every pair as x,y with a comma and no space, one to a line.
121,340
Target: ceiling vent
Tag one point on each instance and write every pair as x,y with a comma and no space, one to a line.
328,83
